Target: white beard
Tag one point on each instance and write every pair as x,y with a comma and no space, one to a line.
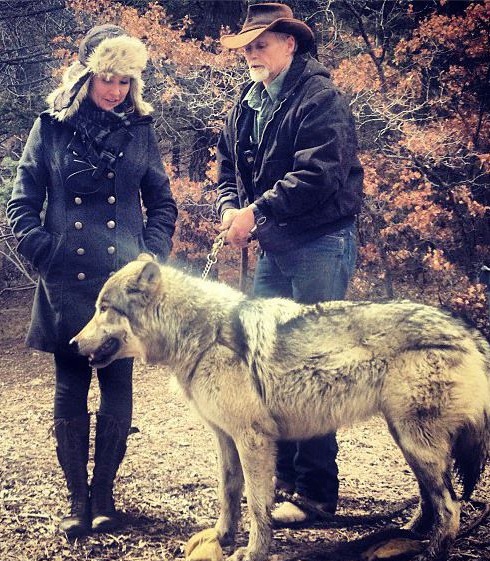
258,74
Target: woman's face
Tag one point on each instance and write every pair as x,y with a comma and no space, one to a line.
107,93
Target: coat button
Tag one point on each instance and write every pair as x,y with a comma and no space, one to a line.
111,200
110,174
80,251
81,276
111,224
111,250
78,200
121,154
78,225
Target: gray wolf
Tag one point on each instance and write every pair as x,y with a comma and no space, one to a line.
260,370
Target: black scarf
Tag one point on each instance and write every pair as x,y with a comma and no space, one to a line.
95,125
102,134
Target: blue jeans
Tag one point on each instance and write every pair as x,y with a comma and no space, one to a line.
320,270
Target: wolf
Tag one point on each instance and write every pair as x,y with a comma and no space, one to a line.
262,370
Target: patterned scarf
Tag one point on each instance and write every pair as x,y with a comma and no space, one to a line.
95,125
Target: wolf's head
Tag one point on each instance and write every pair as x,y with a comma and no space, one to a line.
115,329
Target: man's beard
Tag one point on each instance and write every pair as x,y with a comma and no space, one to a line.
259,74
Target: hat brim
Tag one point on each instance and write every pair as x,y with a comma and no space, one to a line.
241,39
300,30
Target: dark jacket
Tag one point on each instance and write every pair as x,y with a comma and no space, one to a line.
306,178
91,227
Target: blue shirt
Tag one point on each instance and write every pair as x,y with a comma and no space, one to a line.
263,100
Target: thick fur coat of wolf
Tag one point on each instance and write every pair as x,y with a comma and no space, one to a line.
260,370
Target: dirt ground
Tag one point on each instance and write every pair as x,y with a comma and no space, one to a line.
167,483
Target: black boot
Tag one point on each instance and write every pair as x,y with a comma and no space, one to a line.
110,447
72,436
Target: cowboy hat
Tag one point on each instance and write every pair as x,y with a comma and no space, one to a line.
106,49
270,17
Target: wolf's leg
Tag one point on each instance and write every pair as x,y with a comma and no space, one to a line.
423,519
230,487
258,457
428,457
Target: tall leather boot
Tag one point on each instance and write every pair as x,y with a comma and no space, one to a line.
110,447
72,436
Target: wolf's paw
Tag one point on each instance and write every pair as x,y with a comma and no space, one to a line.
204,546
243,554
226,537
394,548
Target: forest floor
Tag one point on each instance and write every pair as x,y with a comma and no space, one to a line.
167,482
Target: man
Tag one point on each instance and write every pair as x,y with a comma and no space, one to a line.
287,167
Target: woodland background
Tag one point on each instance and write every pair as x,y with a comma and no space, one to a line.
417,74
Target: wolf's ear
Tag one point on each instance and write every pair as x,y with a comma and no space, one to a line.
149,278
145,257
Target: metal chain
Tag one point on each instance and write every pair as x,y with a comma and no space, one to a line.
212,257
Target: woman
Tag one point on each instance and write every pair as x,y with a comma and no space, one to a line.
91,161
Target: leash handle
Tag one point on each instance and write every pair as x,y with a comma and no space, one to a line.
212,257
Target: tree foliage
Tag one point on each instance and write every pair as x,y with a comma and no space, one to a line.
423,115
417,74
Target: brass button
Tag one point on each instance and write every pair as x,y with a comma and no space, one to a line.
111,200
78,200
80,251
78,225
110,174
111,250
81,276
111,224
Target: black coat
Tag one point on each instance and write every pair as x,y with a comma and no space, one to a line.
91,227
306,178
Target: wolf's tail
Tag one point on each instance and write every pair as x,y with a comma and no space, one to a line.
471,452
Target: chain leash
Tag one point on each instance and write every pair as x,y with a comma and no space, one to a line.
212,257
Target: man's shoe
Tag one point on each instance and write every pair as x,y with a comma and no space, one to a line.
282,486
301,512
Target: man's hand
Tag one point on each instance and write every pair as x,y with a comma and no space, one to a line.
228,217
238,223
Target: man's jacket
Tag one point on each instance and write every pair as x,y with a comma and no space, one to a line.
305,178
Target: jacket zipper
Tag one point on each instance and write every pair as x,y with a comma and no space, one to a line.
263,132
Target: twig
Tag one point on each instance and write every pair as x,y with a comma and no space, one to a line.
34,515
485,512
345,520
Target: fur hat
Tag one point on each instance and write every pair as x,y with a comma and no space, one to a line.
106,49
270,17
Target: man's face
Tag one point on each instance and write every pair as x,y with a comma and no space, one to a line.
268,55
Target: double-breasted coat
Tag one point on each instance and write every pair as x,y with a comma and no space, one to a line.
76,225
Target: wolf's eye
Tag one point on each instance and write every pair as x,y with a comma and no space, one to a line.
103,308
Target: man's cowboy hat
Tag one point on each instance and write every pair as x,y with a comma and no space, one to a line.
270,17
107,50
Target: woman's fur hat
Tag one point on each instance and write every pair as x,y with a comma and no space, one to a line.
106,49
